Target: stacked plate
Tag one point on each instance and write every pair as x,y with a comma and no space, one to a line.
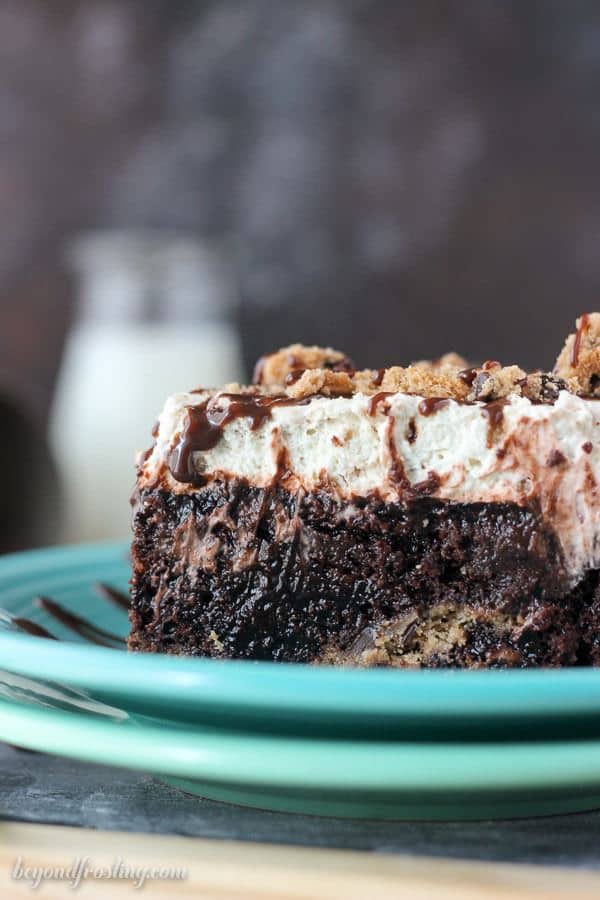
370,743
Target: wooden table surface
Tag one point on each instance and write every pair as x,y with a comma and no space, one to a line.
250,870
234,852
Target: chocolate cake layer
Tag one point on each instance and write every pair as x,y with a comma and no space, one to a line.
239,571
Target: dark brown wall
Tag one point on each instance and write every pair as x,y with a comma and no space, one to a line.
394,178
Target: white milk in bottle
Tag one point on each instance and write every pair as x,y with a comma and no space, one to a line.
155,317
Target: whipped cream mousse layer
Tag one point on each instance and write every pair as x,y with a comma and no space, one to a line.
438,514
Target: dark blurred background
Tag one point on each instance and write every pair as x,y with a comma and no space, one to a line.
396,179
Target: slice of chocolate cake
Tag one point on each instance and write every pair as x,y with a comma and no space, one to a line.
433,515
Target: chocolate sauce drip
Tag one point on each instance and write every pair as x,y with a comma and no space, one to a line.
378,377
119,598
376,399
406,489
411,431
587,447
468,376
283,466
246,406
205,424
76,623
584,324
431,405
397,473
31,627
494,413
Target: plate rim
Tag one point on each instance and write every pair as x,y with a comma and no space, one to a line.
307,763
295,687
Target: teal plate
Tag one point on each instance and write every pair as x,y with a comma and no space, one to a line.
272,697
367,779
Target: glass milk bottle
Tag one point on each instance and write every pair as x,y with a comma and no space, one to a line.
155,317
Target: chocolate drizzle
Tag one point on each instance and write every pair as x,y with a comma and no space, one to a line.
584,324
406,489
205,423
411,430
119,598
494,413
397,473
31,627
468,376
376,399
194,437
431,405
72,621
79,625
377,378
